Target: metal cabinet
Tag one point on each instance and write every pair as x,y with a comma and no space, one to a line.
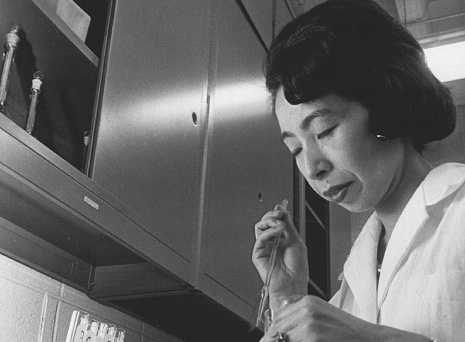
248,170
184,158
148,150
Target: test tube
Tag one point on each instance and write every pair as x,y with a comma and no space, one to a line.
35,91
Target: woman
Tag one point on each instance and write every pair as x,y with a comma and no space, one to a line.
356,105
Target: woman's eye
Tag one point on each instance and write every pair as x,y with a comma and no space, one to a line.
326,133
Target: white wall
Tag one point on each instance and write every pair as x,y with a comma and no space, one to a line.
453,147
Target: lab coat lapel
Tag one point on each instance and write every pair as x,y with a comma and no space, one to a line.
360,269
440,183
408,225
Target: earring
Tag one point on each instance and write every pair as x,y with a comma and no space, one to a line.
380,137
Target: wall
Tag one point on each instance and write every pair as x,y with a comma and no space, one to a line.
453,147
34,307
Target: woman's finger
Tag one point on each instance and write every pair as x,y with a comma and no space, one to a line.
276,213
291,233
264,242
270,232
266,224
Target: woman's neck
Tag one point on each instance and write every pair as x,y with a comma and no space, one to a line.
410,175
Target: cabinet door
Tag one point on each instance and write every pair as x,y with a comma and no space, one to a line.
148,144
249,169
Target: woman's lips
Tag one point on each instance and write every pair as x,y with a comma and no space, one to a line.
337,193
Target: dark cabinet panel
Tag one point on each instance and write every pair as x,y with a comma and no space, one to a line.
148,151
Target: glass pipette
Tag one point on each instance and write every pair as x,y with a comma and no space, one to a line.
265,289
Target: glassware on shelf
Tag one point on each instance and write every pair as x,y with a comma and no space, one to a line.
110,334
58,114
35,91
12,40
120,334
82,328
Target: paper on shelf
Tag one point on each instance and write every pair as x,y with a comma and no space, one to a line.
75,17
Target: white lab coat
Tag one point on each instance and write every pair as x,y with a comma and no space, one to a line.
422,281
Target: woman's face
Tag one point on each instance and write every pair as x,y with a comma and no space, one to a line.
339,156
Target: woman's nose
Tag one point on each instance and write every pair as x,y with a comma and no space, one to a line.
316,166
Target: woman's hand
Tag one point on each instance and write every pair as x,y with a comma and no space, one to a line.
290,273
312,319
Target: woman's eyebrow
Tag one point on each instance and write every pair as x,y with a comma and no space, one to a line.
317,113
305,124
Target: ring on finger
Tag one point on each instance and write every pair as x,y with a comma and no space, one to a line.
281,337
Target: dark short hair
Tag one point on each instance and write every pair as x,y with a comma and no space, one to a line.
357,50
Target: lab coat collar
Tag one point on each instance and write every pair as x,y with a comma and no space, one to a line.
408,225
443,181
360,267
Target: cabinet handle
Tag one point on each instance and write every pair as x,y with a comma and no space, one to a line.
11,45
35,91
